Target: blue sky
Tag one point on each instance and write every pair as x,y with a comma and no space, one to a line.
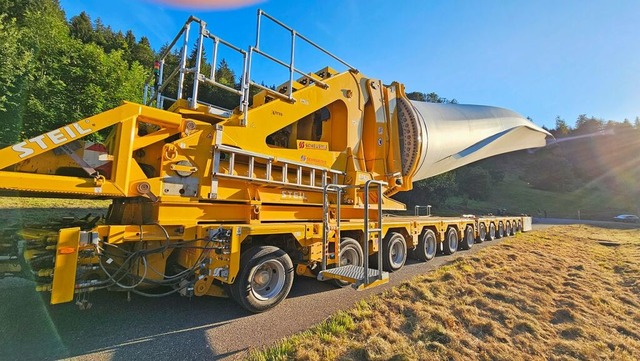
540,58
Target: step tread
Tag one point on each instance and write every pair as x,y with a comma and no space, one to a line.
353,273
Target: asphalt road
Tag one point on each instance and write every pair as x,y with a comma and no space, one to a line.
172,327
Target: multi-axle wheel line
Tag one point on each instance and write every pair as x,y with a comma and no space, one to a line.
266,273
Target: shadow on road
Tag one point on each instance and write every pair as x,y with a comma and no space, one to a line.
32,329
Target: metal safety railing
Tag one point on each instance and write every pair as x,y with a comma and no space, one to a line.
291,64
337,188
416,210
156,83
365,274
368,231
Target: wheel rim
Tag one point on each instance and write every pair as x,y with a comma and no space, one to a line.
492,231
453,241
267,280
508,229
349,256
396,253
470,237
483,232
430,247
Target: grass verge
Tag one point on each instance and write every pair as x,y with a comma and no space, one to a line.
593,201
566,293
24,210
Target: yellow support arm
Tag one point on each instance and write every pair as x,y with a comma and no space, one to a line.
25,166
64,273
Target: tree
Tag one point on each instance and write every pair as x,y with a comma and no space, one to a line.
475,181
562,129
585,125
13,62
225,75
81,27
44,36
434,98
17,9
14,70
140,51
130,39
421,97
429,98
550,172
433,191
54,78
616,128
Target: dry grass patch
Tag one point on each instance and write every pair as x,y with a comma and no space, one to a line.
20,211
566,293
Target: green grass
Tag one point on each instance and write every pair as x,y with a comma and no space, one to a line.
25,210
518,197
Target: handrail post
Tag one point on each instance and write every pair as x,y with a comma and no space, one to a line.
379,230
325,222
258,29
325,225
183,60
214,59
338,201
244,97
291,67
417,210
160,80
247,85
365,251
367,230
196,68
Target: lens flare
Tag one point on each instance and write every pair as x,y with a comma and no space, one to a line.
208,4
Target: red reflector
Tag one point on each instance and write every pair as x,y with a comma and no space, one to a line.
66,250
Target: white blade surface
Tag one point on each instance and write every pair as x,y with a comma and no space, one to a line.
458,134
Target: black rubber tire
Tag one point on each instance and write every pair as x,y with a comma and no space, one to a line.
500,232
352,246
427,246
482,233
514,228
468,238
450,242
507,229
260,259
519,226
393,259
492,232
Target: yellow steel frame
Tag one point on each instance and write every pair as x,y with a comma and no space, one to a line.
357,140
124,171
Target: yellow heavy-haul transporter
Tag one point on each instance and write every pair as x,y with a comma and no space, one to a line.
208,201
